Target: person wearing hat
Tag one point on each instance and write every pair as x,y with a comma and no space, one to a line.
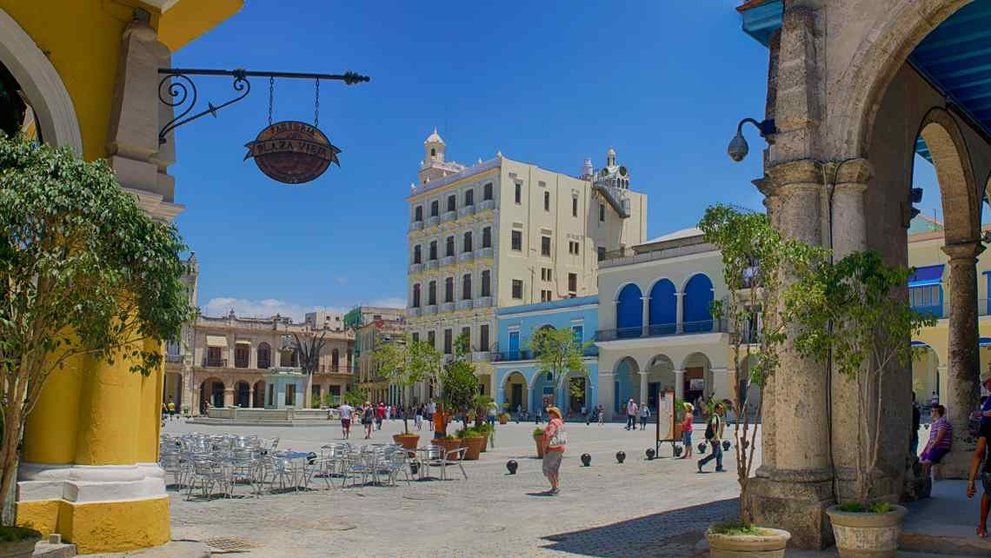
686,430
713,435
555,440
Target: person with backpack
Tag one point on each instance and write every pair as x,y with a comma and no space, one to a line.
714,435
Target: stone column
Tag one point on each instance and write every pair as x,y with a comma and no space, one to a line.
679,384
792,487
849,235
679,312
228,396
963,374
645,315
643,387
606,392
251,397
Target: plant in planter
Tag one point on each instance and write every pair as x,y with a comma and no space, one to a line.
405,364
488,432
86,274
538,438
474,441
754,256
459,385
503,418
853,313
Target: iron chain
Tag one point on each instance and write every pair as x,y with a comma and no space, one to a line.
271,98
316,107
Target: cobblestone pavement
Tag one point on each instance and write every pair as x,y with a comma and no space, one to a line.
639,508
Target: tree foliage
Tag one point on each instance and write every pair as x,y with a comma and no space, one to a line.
309,350
855,313
755,260
459,385
83,272
558,353
407,364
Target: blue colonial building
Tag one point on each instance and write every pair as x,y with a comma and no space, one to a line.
518,382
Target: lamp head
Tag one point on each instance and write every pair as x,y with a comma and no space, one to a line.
738,148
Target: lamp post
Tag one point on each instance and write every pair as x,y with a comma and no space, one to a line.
738,148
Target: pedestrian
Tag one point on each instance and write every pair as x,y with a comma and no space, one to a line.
165,412
602,415
986,403
940,439
555,439
644,415
686,430
388,412
346,411
431,409
493,413
368,418
418,418
171,409
934,400
713,435
379,415
536,415
631,415
982,453
916,421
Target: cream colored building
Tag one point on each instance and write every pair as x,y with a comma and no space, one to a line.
655,328
367,338
503,233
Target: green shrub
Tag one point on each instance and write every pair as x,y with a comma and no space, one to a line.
538,431
10,534
856,507
736,528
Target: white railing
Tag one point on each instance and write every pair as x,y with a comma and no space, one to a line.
448,216
430,310
466,257
466,211
484,252
483,302
431,264
447,260
416,225
464,304
414,312
433,221
447,307
415,268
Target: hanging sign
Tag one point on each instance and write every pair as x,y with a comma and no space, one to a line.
292,152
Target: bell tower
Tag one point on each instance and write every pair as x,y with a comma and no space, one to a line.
435,164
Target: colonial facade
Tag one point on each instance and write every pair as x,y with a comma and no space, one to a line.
519,384
504,233
369,337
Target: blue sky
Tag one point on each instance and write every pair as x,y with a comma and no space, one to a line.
545,82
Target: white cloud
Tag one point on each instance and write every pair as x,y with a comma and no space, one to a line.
341,280
389,302
265,308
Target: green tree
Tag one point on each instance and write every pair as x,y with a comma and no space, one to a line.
355,397
407,364
755,258
309,359
558,353
84,273
854,313
459,385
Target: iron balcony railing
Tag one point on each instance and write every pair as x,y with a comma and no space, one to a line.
173,358
215,362
662,330
526,354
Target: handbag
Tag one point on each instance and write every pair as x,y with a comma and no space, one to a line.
559,438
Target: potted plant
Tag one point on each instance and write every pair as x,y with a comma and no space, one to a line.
488,432
18,542
503,418
86,274
474,441
459,385
854,314
538,438
405,363
753,256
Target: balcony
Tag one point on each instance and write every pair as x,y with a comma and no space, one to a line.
662,330
447,307
486,205
466,257
430,310
465,304
484,252
482,302
415,268
447,260
448,216
509,356
416,226
414,312
466,211
433,221
214,362
431,264
481,356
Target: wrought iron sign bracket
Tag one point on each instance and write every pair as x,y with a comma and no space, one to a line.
178,91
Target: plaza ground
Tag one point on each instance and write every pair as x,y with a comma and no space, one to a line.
639,508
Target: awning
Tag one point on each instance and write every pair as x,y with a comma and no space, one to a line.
243,342
216,341
984,342
919,344
926,276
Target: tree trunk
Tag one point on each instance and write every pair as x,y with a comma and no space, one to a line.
307,398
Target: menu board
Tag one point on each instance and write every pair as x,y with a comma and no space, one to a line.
665,416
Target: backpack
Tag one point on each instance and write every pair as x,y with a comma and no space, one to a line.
710,427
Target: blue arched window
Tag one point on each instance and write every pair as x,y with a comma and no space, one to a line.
663,308
698,303
629,312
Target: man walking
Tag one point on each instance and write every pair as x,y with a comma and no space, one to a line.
631,415
714,435
644,415
346,412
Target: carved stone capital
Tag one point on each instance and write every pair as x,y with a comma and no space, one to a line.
963,252
783,175
852,172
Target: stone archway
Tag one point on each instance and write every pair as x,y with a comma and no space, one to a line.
657,377
258,395
626,384
516,392
242,394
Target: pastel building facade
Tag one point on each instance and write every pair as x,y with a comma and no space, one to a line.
505,233
656,331
519,382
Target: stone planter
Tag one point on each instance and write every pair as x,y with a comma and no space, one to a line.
770,543
485,444
19,549
862,535
539,440
408,441
447,443
474,445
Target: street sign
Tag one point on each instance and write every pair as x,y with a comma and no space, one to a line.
292,152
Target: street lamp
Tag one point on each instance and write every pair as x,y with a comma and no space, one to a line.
738,147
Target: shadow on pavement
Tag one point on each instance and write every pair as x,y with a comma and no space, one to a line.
670,533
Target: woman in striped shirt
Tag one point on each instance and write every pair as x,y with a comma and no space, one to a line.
940,438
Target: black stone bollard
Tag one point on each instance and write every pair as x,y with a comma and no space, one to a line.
651,452
414,467
586,459
702,446
511,465
726,445
620,456
678,451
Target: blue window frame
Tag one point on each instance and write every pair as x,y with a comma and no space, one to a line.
925,290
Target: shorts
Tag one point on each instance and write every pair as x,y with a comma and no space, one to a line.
552,462
346,423
686,438
934,455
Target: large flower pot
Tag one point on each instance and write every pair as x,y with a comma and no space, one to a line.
19,549
770,543
503,419
485,444
873,535
408,441
474,445
539,440
447,443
